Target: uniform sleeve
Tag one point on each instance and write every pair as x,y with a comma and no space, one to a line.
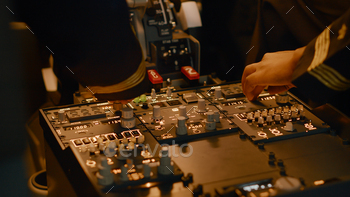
324,69
92,42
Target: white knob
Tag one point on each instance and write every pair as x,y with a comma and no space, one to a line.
128,123
182,111
201,105
216,116
289,126
210,116
210,125
271,112
156,112
61,116
181,126
127,113
218,93
153,94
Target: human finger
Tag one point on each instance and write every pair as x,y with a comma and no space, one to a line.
248,70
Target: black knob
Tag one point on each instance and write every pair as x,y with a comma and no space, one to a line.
261,145
144,106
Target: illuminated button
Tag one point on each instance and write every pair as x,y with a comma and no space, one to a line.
93,139
99,140
111,137
86,141
120,136
103,138
78,142
135,133
127,134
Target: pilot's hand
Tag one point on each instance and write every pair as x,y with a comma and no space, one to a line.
274,70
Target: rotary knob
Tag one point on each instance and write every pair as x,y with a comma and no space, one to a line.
181,126
201,106
156,112
182,111
217,93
